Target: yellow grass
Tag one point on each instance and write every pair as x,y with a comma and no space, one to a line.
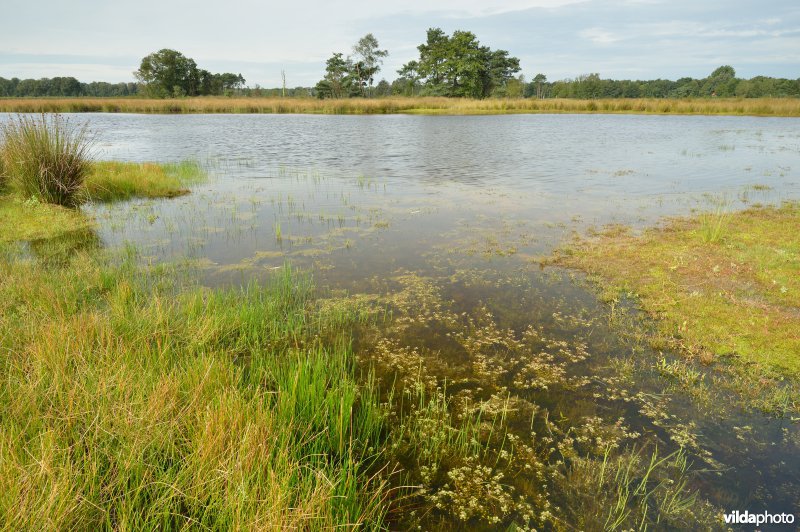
419,105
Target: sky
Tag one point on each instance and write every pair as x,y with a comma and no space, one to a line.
103,40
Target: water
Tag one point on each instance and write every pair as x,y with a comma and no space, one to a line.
463,208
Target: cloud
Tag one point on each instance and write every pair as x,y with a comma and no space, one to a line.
600,36
561,38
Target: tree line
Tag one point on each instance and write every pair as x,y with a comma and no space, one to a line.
63,87
722,83
456,65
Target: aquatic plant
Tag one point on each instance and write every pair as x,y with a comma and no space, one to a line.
46,158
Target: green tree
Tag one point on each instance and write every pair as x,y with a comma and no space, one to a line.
168,73
367,61
539,85
409,79
458,65
721,82
338,82
383,88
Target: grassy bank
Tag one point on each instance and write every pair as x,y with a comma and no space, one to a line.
415,105
134,399
720,285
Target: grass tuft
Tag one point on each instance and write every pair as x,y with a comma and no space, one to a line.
713,224
46,158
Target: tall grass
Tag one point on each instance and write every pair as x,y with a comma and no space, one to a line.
130,401
46,158
3,177
413,105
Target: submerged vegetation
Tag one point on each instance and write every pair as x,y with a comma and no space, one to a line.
411,105
721,285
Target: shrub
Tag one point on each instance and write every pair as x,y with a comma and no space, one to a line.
46,158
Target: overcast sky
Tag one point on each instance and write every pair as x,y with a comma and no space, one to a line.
104,40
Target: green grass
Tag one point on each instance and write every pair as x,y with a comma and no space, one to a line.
718,284
45,158
115,181
131,401
32,220
3,176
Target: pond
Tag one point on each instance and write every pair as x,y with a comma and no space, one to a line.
446,219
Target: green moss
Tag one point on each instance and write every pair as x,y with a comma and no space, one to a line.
735,294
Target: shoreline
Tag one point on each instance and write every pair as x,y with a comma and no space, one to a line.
768,107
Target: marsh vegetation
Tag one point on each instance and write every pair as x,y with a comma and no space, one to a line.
290,346
412,105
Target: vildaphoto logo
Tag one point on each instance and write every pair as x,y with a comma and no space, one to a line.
765,518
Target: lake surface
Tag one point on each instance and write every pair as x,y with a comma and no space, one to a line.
466,206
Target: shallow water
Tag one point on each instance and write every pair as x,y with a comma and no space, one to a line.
468,204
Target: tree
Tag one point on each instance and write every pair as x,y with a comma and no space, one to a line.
409,78
168,73
338,82
383,88
539,85
367,60
458,65
721,82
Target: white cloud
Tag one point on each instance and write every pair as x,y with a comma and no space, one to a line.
600,36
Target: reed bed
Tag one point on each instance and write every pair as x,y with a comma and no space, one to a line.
412,105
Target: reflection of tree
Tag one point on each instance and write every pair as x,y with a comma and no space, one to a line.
58,250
